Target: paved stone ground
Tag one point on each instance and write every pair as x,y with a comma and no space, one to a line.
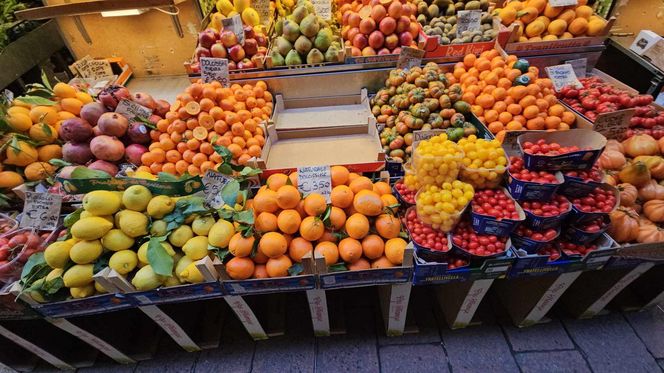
617,342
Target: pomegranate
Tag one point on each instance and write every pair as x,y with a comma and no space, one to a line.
145,99
75,129
112,95
107,148
134,152
113,124
78,153
91,112
105,166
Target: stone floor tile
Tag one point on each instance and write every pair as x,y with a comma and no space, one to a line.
234,354
542,337
478,349
421,358
649,326
169,358
552,361
610,344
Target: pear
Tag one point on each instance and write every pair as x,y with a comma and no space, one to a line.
277,59
283,45
309,25
291,30
332,53
299,13
303,45
293,58
323,39
279,26
315,56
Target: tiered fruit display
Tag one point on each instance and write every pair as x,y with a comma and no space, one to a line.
439,18
418,99
506,93
203,116
304,37
378,27
538,20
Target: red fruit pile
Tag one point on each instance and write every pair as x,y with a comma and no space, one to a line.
6,225
549,251
465,237
541,236
518,172
597,97
226,45
594,174
541,147
406,194
454,262
574,249
599,200
12,247
423,235
556,206
592,226
494,203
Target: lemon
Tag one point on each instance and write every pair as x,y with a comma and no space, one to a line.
99,288
116,240
160,206
220,233
85,252
101,202
143,251
57,254
196,248
191,274
224,6
86,214
202,224
171,281
92,228
158,228
57,272
83,291
123,261
78,275
146,279
133,223
181,235
136,198
181,265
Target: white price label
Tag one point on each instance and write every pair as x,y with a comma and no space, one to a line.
263,9
315,179
323,8
41,211
559,3
579,66
410,57
562,76
234,24
90,68
130,110
656,54
214,183
613,125
468,20
215,69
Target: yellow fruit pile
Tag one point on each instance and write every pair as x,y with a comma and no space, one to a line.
484,162
441,207
228,9
436,161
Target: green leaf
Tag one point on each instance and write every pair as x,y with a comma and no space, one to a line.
161,262
250,171
34,269
246,230
223,254
338,267
102,262
53,286
225,154
229,192
34,261
165,176
45,81
289,181
326,217
86,173
59,162
47,129
244,217
226,214
36,100
295,269
72,218
225,169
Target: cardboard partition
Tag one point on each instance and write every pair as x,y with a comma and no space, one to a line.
246,316
434,273
433,49
459,300
13,308
645,292
394,307
548,47
320,318
21,359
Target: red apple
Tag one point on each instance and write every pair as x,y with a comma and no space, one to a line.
360,41
396,50
391,41
249,32
261,40
368,51
245,64
367,25
351,33
232,65
383,51
414,29
378,12
395,9
207,38
405,39
237,53
202,52
376,40
355,51
218,50
228,38
354,19
403,24
250,47
387,25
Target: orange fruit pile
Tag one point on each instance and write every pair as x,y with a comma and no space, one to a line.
207,114
489,85
357,228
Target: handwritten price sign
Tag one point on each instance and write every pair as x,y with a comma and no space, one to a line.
468,20
214,182
315,179
131,110
410,57
562,76
215,69
41,211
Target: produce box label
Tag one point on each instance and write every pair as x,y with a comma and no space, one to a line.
263,9
598,258
86,306
171,188
315,179
323,8
592,144
182,293
468,20
234,24
656,54
409,57
613,125
130,110
365,277
213,182
424,135
215,69
437,273
562,76
274,285
534,265
41,211
494,268
559,3
579,66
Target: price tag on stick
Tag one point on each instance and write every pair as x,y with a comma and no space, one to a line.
41,211
468,20
215,69
323,9
131,110
409,57
315,179
214,182
562,76
234,24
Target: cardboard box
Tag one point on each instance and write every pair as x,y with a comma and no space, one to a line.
430,273
549,46
645,40
580,160
433,49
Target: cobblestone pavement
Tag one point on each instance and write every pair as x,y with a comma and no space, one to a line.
617,342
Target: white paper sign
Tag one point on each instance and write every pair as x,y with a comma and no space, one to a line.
234,24
424,135
613,125
656,54
579,65
409,57
315,179
90,68
468,20
213,182
323,8
563,75
41,211
215,69
263,9
130,110
559,3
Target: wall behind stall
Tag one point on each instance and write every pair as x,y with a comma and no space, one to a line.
148,42
636,15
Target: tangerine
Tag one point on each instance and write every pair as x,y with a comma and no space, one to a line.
329,251
350,250
273,244
240,268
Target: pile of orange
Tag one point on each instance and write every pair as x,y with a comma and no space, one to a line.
207,114
357,228
489,84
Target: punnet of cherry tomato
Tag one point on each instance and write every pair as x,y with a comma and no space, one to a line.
588,231
524,184
494,212
467,241
405,195
572,150
543,215
597,204
581,183
531,240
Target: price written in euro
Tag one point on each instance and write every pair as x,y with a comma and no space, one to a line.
315,179
41,211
